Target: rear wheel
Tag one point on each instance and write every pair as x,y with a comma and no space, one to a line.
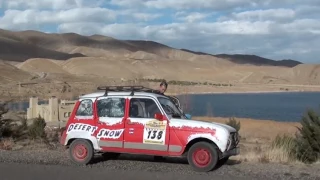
81,151
203,156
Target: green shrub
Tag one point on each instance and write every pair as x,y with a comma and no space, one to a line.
37,129
20,131
5,124
305,146
308,138
10,128
234,123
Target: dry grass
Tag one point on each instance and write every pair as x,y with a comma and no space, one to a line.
6,144
260,140
253,129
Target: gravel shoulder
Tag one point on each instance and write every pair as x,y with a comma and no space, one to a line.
55,164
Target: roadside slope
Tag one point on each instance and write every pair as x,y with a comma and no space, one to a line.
10,73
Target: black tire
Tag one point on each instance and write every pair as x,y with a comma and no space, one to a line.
76,154
210,156
223,160
110,155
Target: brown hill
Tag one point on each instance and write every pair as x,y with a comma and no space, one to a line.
16,48
41,65
256,60
109,58
10,73
204,70
251,59
74,45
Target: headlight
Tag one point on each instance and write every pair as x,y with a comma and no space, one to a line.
236,138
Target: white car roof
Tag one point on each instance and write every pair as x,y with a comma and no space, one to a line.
122,93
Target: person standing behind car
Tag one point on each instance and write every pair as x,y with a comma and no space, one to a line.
163,87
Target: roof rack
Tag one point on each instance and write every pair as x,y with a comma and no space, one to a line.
127,88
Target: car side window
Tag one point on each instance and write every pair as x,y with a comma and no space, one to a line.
143,108
85,108
111,107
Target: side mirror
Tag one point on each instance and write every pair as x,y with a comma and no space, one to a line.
188,116
158,116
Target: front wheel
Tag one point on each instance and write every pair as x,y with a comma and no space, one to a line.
203,156
81,151
223,160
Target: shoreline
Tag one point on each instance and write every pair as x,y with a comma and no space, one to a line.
25,99
76,89
241,92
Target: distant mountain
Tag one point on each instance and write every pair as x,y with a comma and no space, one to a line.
15,48
251,59
257,60
81,57
23,45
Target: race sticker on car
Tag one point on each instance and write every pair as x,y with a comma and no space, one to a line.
80,127
110,134
155,132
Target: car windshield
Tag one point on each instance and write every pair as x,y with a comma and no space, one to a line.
169,107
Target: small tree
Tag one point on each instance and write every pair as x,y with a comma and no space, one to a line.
308,138
37,129
233,123
5,124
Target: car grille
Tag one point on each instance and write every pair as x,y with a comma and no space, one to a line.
233,140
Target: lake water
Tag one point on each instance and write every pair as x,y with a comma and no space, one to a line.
286,106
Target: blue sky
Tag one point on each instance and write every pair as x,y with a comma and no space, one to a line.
286,29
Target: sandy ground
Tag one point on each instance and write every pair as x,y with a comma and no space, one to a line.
137,167
258,129
71,90
45,161
52,172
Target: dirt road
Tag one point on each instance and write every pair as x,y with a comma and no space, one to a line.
55,164
11,171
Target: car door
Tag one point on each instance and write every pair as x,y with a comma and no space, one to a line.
110,115
143,133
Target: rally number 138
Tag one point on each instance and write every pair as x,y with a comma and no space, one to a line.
152,134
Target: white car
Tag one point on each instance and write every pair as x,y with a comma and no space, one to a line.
138,120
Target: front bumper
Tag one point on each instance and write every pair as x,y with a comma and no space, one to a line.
232,152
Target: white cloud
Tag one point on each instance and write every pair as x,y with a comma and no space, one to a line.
211,4
270,28
182,4
191,17
145,16
51,4
264,15
280,41
22,19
